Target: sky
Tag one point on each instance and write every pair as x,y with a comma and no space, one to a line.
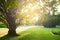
58,8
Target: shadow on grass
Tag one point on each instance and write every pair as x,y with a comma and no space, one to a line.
28,37
7,37
21,36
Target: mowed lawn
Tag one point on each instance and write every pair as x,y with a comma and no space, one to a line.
33,33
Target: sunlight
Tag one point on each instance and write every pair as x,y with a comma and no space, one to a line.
35,18
23,28
3,31
30,11
41,3
58,8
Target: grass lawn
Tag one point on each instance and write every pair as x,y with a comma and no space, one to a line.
34,33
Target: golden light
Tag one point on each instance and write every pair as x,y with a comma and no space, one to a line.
35,18
30,10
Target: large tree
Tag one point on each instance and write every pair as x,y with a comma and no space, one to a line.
7,15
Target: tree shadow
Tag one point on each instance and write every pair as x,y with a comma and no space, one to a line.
7,37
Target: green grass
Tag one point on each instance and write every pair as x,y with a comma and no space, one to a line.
36,33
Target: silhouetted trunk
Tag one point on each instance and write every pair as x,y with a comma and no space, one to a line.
11,24
53,13
12,28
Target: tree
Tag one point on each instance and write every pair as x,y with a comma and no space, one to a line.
51,6
7,15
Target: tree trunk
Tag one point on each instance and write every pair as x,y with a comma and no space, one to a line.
11,24
11,27
53,13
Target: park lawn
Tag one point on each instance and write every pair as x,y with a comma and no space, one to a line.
34,33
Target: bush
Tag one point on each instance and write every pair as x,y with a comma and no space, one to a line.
49,24
52,21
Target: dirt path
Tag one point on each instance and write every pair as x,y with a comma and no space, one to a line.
24,28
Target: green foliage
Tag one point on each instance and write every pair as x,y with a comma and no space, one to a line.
5,6
2,26
10,4
52,3
52,21
51,6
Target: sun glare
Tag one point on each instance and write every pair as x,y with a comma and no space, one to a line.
30,10
58,8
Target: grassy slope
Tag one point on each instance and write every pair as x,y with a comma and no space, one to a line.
37,33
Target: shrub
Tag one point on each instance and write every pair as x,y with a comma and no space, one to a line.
51,22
